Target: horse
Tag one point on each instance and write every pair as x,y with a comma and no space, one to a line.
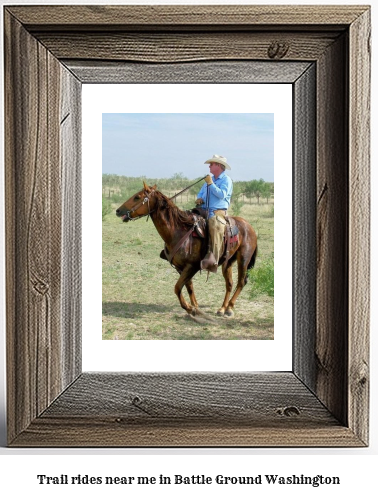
185,251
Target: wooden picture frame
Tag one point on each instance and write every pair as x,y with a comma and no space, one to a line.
324,52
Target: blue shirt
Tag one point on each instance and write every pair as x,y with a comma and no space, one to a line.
220,193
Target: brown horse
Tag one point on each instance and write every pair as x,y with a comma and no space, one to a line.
186,253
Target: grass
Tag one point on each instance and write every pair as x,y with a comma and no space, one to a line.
106,207
262,278
138,287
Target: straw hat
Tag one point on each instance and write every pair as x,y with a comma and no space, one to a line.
219,159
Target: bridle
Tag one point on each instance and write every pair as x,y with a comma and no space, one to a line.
145,200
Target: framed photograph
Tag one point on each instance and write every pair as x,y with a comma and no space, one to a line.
163,147
323,53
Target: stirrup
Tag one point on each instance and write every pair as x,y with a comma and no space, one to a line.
208,263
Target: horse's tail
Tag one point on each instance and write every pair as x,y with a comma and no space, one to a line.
250,265
253,259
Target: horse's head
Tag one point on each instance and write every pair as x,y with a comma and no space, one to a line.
138,205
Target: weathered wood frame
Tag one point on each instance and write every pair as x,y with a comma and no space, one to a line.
49,53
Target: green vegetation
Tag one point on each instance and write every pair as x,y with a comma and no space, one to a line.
262,278
106,207
237,199
117,189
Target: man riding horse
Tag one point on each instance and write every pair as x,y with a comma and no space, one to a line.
215,196
180,231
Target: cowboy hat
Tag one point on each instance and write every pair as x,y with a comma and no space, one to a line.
219,159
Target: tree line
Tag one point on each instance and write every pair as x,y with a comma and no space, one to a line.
118,188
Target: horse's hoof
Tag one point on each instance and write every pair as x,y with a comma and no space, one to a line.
220,312
229,313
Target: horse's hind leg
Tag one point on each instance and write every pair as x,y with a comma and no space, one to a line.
227,274
192,297
242,280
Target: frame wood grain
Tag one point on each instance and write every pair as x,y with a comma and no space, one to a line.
324,53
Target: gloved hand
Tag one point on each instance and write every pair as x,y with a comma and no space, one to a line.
199,201
208,179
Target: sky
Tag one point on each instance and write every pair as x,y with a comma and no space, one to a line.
160,145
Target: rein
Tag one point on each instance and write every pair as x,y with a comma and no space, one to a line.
185,189
147,200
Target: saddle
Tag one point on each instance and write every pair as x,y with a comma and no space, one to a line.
200,230
231,239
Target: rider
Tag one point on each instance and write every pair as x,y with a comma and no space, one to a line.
219,187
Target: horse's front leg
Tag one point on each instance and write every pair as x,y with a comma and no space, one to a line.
192,297
185,279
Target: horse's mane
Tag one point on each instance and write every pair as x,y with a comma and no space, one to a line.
172,213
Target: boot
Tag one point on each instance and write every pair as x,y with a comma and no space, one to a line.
216,231
208,263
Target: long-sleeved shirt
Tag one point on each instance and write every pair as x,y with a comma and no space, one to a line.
220,194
